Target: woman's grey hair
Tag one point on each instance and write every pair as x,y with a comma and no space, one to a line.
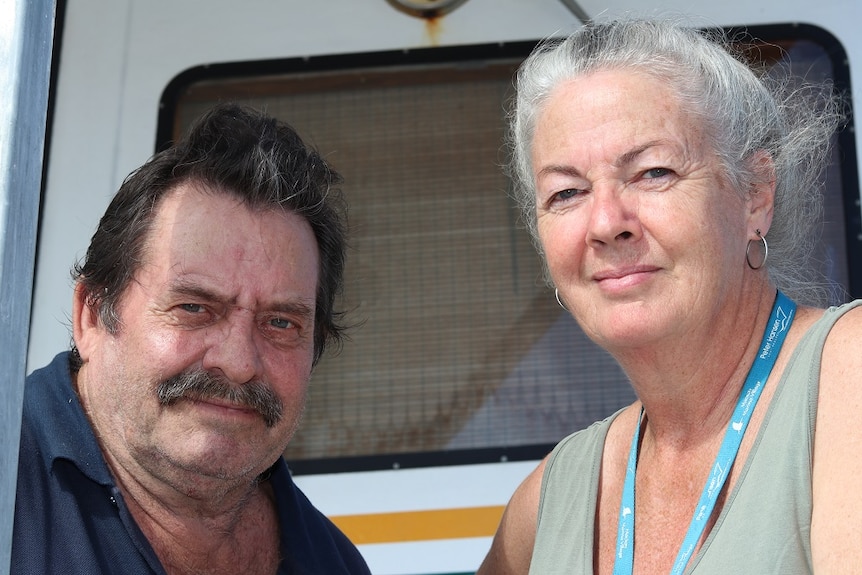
745,111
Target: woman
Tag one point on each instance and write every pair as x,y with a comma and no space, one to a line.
652,167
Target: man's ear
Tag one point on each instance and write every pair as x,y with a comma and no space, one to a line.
761,194
86,325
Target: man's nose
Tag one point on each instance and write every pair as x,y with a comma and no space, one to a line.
232,348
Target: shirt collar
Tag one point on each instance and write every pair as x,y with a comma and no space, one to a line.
54,411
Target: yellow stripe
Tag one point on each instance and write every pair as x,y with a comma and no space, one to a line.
420,525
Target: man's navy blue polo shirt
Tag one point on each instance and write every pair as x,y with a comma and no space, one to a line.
70,518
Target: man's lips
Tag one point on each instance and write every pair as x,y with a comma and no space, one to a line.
221,406
221,403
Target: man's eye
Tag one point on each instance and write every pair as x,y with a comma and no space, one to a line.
192,307
280,323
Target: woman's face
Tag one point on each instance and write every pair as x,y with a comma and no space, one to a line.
641,232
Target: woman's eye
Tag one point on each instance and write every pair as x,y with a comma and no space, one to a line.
566,194
656,173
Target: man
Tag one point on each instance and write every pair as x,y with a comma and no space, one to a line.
204,301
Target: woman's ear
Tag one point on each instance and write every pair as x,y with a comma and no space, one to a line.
86,325
761,194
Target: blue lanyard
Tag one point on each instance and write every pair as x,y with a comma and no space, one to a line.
773,338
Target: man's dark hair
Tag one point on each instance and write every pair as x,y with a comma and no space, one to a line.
237,151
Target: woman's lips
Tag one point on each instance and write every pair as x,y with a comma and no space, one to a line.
617,279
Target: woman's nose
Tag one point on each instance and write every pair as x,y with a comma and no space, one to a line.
613,216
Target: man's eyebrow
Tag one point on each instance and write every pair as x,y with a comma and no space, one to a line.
195,291
297,308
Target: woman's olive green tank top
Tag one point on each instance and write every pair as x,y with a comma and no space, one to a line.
765,524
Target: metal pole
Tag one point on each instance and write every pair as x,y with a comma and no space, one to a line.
576,9
26,36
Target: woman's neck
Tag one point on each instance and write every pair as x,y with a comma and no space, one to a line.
689,386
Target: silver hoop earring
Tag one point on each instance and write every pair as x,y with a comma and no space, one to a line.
765,252
559,301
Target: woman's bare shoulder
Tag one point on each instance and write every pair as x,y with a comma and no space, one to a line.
512,548
836,526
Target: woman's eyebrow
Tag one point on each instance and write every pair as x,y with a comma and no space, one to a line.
630,156
558,169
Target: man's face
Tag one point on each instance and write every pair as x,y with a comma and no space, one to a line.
206,376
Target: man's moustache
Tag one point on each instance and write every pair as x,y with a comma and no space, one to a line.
255,394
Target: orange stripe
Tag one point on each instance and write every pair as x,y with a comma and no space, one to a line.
420,525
